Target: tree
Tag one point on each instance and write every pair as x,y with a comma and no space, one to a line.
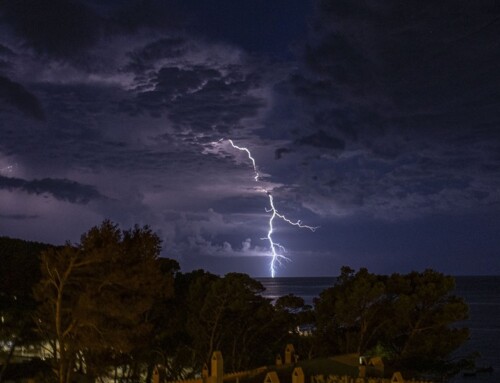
294,315
18,258
293,312
410,317
230,315
424,310
358,303
95,297
164,317
16,327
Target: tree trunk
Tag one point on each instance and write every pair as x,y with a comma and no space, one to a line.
7,361
149,373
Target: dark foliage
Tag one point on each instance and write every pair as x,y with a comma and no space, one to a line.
118,309
408,319
19,259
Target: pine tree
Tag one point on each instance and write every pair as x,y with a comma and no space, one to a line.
94,297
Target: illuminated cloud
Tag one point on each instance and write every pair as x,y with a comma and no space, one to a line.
62,189
373,121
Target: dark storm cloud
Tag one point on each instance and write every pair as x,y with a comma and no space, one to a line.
390,115
419,69
200,97
322,140
145,57
409,92
58,28
411,185
218,107
14,94
278,153
128,116
18,216
174,81
61,189
5,51
131,16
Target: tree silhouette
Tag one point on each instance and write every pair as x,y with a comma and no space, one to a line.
410,317
94,297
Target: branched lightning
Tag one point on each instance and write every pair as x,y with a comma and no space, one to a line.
256,177
277,250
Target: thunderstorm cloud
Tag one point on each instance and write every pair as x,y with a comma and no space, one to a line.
379,122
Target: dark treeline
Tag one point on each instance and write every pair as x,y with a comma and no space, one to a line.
110,306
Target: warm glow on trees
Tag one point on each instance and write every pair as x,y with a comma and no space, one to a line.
94,297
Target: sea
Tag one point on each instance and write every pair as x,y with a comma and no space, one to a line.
482,293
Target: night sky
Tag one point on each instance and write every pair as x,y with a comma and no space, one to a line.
378,121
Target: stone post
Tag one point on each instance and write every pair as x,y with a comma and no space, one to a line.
272,377
279,361
397,378
217,371
298,375
289,354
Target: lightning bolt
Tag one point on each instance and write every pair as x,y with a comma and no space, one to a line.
277,250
